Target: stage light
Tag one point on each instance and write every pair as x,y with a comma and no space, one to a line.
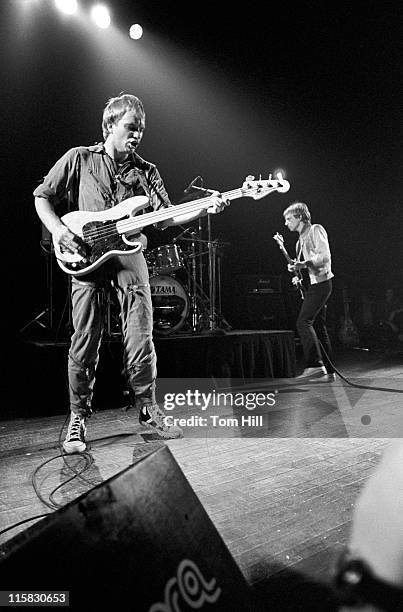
280,173
136,31
101,16
69,7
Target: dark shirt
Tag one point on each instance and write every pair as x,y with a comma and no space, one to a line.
91,180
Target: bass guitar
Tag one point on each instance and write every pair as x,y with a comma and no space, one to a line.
115,231
280,241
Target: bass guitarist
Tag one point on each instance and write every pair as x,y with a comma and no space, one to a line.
96,178
312,255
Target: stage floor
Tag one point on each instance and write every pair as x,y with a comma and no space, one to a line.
281,496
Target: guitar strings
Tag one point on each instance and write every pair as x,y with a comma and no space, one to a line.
156,216
110,229
160,215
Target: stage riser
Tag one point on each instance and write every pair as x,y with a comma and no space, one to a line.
244,354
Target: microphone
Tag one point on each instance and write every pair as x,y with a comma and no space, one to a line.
185,231
192,184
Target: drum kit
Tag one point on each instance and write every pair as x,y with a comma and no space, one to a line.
177,279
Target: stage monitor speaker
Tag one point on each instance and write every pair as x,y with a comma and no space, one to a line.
140,541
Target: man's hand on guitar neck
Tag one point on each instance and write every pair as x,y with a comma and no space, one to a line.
217,203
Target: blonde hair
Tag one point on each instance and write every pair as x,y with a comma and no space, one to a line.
117,107
299,209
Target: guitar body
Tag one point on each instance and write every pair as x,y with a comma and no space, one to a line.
99,231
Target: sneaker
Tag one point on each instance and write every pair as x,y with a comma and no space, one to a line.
153,418
325,377
75,438
313,373
329,377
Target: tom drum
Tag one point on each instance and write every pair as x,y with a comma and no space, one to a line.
166,259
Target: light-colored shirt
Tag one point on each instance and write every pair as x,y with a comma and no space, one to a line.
313,246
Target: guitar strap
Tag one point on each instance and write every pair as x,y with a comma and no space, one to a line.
138,184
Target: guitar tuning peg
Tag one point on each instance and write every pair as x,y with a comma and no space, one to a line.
250,178
270,175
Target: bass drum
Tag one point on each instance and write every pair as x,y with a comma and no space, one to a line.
170,304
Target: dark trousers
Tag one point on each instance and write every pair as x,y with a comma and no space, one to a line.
311,325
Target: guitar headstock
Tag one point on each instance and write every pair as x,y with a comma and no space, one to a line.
261,188
279,239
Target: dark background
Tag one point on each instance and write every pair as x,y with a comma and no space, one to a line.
229,89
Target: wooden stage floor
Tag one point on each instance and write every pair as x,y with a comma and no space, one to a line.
282,499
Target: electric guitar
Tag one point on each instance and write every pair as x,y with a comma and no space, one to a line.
348,333
280,241
115,231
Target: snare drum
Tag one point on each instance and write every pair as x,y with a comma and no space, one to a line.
166,259
170,304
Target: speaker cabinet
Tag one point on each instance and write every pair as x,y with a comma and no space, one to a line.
140,541
266,311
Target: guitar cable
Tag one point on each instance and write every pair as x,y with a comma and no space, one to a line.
352,384
77,472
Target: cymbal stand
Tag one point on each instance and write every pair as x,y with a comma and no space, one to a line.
212,253
220,317
200,252
206,305
193,282
217,323
199,298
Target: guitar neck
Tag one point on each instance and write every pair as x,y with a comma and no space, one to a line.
164,214
286,255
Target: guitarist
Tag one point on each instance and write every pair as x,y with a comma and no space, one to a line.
93,179
313,263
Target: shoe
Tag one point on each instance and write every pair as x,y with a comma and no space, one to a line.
312,373
75,438
153,418
326,377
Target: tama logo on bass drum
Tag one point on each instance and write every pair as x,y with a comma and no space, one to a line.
156,289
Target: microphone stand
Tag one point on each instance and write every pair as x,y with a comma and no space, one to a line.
213,327
212,245
215,316
200,252
195,309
